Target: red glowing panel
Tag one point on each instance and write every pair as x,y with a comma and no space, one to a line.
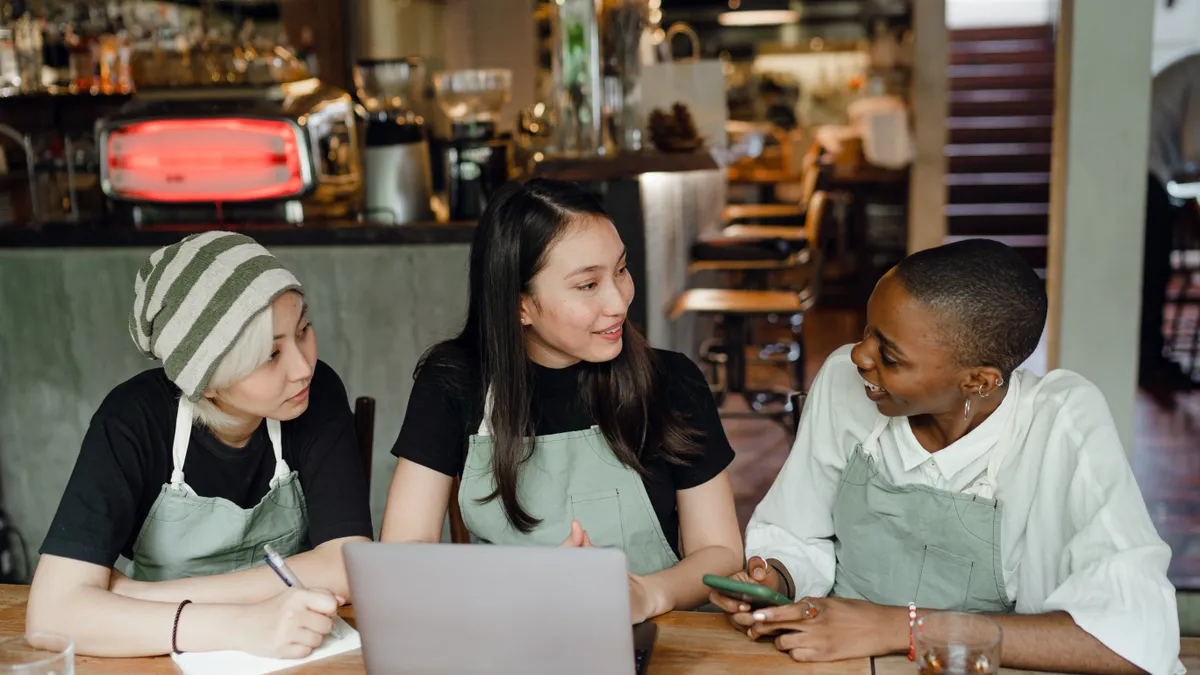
204,160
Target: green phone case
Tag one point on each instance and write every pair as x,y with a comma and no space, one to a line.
752,594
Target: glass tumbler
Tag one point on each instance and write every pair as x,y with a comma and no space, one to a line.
37,654
957,643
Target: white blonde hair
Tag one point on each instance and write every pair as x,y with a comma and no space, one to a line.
250,350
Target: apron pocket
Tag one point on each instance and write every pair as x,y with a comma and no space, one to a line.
288,545
600,515
944,581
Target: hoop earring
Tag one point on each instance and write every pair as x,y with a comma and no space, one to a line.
981,394
967,410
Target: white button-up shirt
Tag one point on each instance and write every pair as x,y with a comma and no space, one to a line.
1075,533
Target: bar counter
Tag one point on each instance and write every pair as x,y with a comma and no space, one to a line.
379,296
330,233
688,643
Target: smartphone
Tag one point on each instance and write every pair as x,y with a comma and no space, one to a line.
752,594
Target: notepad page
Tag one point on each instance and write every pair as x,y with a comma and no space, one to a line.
341,639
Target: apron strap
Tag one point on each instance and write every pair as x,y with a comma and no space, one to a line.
485,426
871,445
987,484
179,443
275,433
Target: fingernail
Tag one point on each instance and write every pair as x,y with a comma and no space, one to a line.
743,608
750,632
760,616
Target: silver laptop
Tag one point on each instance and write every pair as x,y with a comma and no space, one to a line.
454,608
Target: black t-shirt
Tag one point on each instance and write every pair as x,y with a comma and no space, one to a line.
439,423
126,458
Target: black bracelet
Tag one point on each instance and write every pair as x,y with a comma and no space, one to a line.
787,585
175,629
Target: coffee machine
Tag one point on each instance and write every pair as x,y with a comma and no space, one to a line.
396,157
477,157
277,153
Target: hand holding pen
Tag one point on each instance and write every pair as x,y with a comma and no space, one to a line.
292,624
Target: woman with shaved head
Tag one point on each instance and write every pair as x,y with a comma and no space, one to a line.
930,473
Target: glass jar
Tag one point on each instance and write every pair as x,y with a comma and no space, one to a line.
625,23
578,95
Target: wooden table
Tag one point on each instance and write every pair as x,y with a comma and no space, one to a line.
688,642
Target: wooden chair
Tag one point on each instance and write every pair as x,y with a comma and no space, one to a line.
796,401
459,534
364,431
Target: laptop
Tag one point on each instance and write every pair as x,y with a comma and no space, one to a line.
446,608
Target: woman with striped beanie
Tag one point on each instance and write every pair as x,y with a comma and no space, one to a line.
241,439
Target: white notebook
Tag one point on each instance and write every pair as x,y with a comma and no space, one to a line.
341,639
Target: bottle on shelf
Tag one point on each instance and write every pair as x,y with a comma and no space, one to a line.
10,74
27,40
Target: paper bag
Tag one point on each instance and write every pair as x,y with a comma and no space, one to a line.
697,83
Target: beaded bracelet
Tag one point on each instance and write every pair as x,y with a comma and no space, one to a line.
175,629
912,623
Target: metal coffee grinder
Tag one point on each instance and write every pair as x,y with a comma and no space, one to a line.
477,156
396,158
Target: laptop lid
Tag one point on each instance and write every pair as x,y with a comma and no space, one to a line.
443,608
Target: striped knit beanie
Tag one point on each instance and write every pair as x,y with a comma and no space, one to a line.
193,298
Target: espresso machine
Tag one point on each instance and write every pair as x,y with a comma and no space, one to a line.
396,155
476,156
277,153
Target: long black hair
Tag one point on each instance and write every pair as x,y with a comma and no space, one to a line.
626,396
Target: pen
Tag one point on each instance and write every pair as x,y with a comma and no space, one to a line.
277,563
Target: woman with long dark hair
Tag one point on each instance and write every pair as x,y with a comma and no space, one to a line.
565,426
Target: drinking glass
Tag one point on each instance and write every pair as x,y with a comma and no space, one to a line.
37,654
956,643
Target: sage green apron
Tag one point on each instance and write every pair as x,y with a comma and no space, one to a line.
186,535
897,544
572,475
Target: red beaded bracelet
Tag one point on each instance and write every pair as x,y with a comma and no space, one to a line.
912,623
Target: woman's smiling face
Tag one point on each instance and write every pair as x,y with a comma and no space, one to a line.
907,365
579,299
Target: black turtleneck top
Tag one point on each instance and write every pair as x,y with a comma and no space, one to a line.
439,422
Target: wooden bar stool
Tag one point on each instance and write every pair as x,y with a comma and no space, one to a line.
780,214
736,308
752,256
737,212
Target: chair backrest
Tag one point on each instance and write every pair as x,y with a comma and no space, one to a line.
364,431
810,172
817,228
796,401
459,534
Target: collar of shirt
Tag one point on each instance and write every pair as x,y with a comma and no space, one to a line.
960,454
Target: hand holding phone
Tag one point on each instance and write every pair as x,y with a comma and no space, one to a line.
755,595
